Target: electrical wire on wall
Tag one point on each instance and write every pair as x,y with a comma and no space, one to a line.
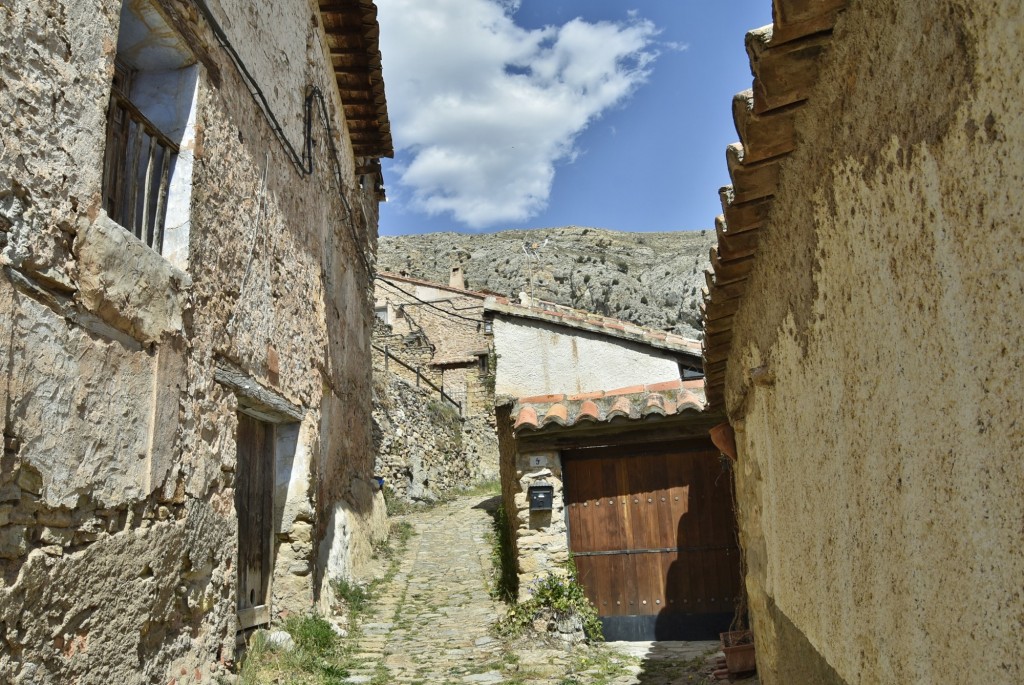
452,315
303,161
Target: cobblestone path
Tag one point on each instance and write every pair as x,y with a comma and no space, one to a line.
432,622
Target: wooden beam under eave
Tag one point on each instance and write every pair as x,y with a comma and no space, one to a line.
346,51
719,339
743,216
716,354
712,326
368,150
716,381
726,291
794,19
783,74
729,271
717,367
360,98
763,136
751,181
720,309
736,245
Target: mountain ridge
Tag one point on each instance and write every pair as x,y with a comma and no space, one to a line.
650,279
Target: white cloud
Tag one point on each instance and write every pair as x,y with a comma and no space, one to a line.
482,109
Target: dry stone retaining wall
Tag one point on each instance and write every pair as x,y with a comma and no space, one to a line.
424,448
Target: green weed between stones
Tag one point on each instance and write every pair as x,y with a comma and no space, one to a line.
505,582
397,506
558,596
318,658
356,597
389,547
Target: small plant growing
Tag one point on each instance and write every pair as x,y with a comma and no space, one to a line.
558,596
317,657
356,597
505,584
445,414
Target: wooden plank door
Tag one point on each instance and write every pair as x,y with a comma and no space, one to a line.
254,506
653,533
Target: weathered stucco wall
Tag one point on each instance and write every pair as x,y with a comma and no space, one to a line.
879,475
118,531
536,358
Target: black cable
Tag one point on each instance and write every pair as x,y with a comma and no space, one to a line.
303,162
474,322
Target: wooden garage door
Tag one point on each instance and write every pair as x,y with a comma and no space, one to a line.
653,534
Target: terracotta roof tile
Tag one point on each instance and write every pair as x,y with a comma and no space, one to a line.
586,395
784,60
621,406
633,403
556,413
388,276
667,385
654,404
542,399
589,410
526,417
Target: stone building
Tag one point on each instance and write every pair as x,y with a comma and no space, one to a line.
188,210
605,455
864,333
431,338
440,330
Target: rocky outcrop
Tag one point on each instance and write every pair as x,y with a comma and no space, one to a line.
651,279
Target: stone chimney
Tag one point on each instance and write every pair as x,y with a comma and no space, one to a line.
456,279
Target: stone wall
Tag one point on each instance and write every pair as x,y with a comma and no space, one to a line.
118,531
541,537
444,338
424,448
875,372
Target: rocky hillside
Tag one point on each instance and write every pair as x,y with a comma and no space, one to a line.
651,279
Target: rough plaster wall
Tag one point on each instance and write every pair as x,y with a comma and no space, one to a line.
49,143
91,436
347,531
281,61
535,358
274,285
880,476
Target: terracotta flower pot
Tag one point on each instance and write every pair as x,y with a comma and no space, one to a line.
740,659
724,439
738,646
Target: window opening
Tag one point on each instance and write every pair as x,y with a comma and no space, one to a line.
147,166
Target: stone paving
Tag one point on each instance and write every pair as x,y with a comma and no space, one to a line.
433,623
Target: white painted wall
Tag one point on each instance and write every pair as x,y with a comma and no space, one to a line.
536,358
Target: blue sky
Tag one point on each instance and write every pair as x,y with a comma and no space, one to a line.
537,113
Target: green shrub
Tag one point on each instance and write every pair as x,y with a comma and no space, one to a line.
311,633
559,596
